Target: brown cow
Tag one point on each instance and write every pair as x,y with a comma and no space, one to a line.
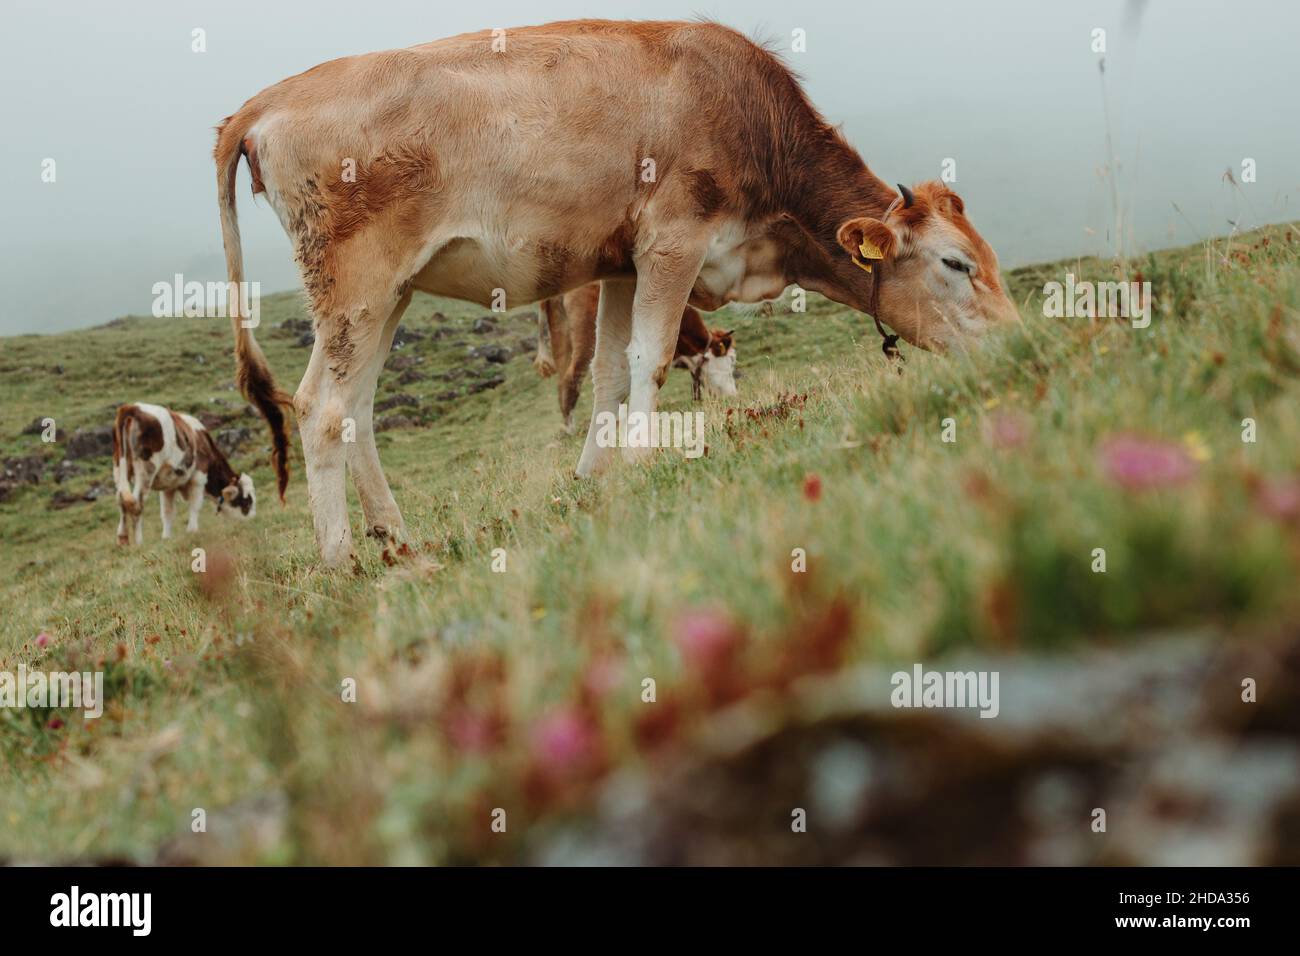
566,342
672,161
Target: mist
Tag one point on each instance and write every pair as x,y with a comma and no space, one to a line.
1009,96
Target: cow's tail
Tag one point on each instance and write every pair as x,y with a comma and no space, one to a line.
252,373
121,461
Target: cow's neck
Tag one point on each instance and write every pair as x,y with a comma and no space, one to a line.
220,474
836,186
822,195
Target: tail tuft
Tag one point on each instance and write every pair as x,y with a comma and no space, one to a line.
258,386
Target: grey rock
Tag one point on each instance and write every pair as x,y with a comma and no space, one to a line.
482,385
400,363
395,421
394,401
230,440
29,469
36,426
404,336
90,443
496,354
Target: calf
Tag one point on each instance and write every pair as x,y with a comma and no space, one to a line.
157,449
567,327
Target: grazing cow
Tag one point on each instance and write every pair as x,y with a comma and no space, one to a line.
567,327
674,162
157,449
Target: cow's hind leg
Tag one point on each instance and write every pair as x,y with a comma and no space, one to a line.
322,407
571,384
383,519
193,494
544,360
609,370
144,473
336,389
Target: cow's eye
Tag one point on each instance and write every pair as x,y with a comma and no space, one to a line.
956,265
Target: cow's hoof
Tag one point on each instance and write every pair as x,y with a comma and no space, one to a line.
123,540
378,531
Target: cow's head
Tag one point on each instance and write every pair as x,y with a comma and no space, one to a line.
718,373
938,278
238,498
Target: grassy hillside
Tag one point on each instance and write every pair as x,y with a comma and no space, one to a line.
524,690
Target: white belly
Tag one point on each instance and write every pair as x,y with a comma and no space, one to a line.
170,469
739,266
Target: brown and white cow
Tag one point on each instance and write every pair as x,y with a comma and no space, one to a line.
156,449
672,161
566,342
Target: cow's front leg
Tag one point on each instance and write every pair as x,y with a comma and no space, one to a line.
609,370
143,482
193,493
167,511
665,275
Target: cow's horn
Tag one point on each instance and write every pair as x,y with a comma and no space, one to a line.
908,198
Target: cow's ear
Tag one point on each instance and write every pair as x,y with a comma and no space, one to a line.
867,240
229,492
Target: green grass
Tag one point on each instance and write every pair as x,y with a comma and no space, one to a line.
916,547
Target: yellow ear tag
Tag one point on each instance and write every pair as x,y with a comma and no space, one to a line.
869,250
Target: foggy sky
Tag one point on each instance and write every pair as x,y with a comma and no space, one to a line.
1010,89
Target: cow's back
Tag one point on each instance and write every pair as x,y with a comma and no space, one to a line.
531,168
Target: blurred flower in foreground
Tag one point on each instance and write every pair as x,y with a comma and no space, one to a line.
1141,464
812,487
564,740
707,638
42,639
1008,429
603,674
472,731
710,641
1279,498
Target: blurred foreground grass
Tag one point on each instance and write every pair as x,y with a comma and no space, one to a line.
523,691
